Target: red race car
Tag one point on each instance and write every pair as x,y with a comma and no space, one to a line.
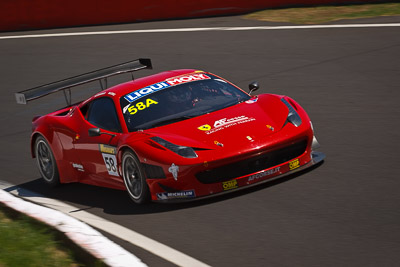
176,135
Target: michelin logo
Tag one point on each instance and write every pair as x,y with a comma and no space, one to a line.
176,195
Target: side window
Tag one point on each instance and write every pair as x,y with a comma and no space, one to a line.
101,112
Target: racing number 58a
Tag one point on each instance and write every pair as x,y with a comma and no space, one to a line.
111,164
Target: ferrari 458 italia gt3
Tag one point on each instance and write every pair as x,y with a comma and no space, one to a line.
177,135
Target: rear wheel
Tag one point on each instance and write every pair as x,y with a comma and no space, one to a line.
134,178
46,162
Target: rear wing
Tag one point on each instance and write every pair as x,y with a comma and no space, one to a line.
31,94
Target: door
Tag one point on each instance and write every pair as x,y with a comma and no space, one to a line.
98,153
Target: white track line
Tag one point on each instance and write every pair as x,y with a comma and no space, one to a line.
202,29
130,236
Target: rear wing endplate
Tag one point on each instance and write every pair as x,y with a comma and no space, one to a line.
27,95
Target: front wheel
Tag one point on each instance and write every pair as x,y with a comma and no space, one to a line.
46,163
134,178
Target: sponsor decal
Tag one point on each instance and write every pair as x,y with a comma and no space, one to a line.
225,123
163,85
145,91
264,174
251,101
187,78
99,94
140,106
77,166
108,153
108,149
103,93
294,164
174,170
176,195
229,185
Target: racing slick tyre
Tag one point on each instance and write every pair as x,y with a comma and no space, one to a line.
134,178
46,163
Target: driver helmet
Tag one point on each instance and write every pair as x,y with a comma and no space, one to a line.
180,95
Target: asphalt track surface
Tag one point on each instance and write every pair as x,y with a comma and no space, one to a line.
345,212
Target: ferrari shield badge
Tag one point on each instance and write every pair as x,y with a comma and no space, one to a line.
204,127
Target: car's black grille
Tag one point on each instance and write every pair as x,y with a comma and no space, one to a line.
252,165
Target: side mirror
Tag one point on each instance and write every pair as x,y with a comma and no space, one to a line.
97,132
94,132
253,87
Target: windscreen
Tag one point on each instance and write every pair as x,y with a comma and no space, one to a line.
177,99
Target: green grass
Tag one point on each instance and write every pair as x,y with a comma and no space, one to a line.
25,242
324,14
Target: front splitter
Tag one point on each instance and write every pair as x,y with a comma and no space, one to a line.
316,158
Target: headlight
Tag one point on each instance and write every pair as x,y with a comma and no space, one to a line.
315,143
183,151
293,117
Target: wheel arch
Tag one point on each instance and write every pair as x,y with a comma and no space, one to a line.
120,153
46,160
34,137
122,150
65,170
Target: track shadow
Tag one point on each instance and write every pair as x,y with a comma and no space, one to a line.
117,202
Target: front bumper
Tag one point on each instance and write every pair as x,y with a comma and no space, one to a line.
243,182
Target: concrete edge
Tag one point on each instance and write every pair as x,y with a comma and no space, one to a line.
90,240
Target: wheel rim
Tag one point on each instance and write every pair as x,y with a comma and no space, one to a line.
132,177
45,160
